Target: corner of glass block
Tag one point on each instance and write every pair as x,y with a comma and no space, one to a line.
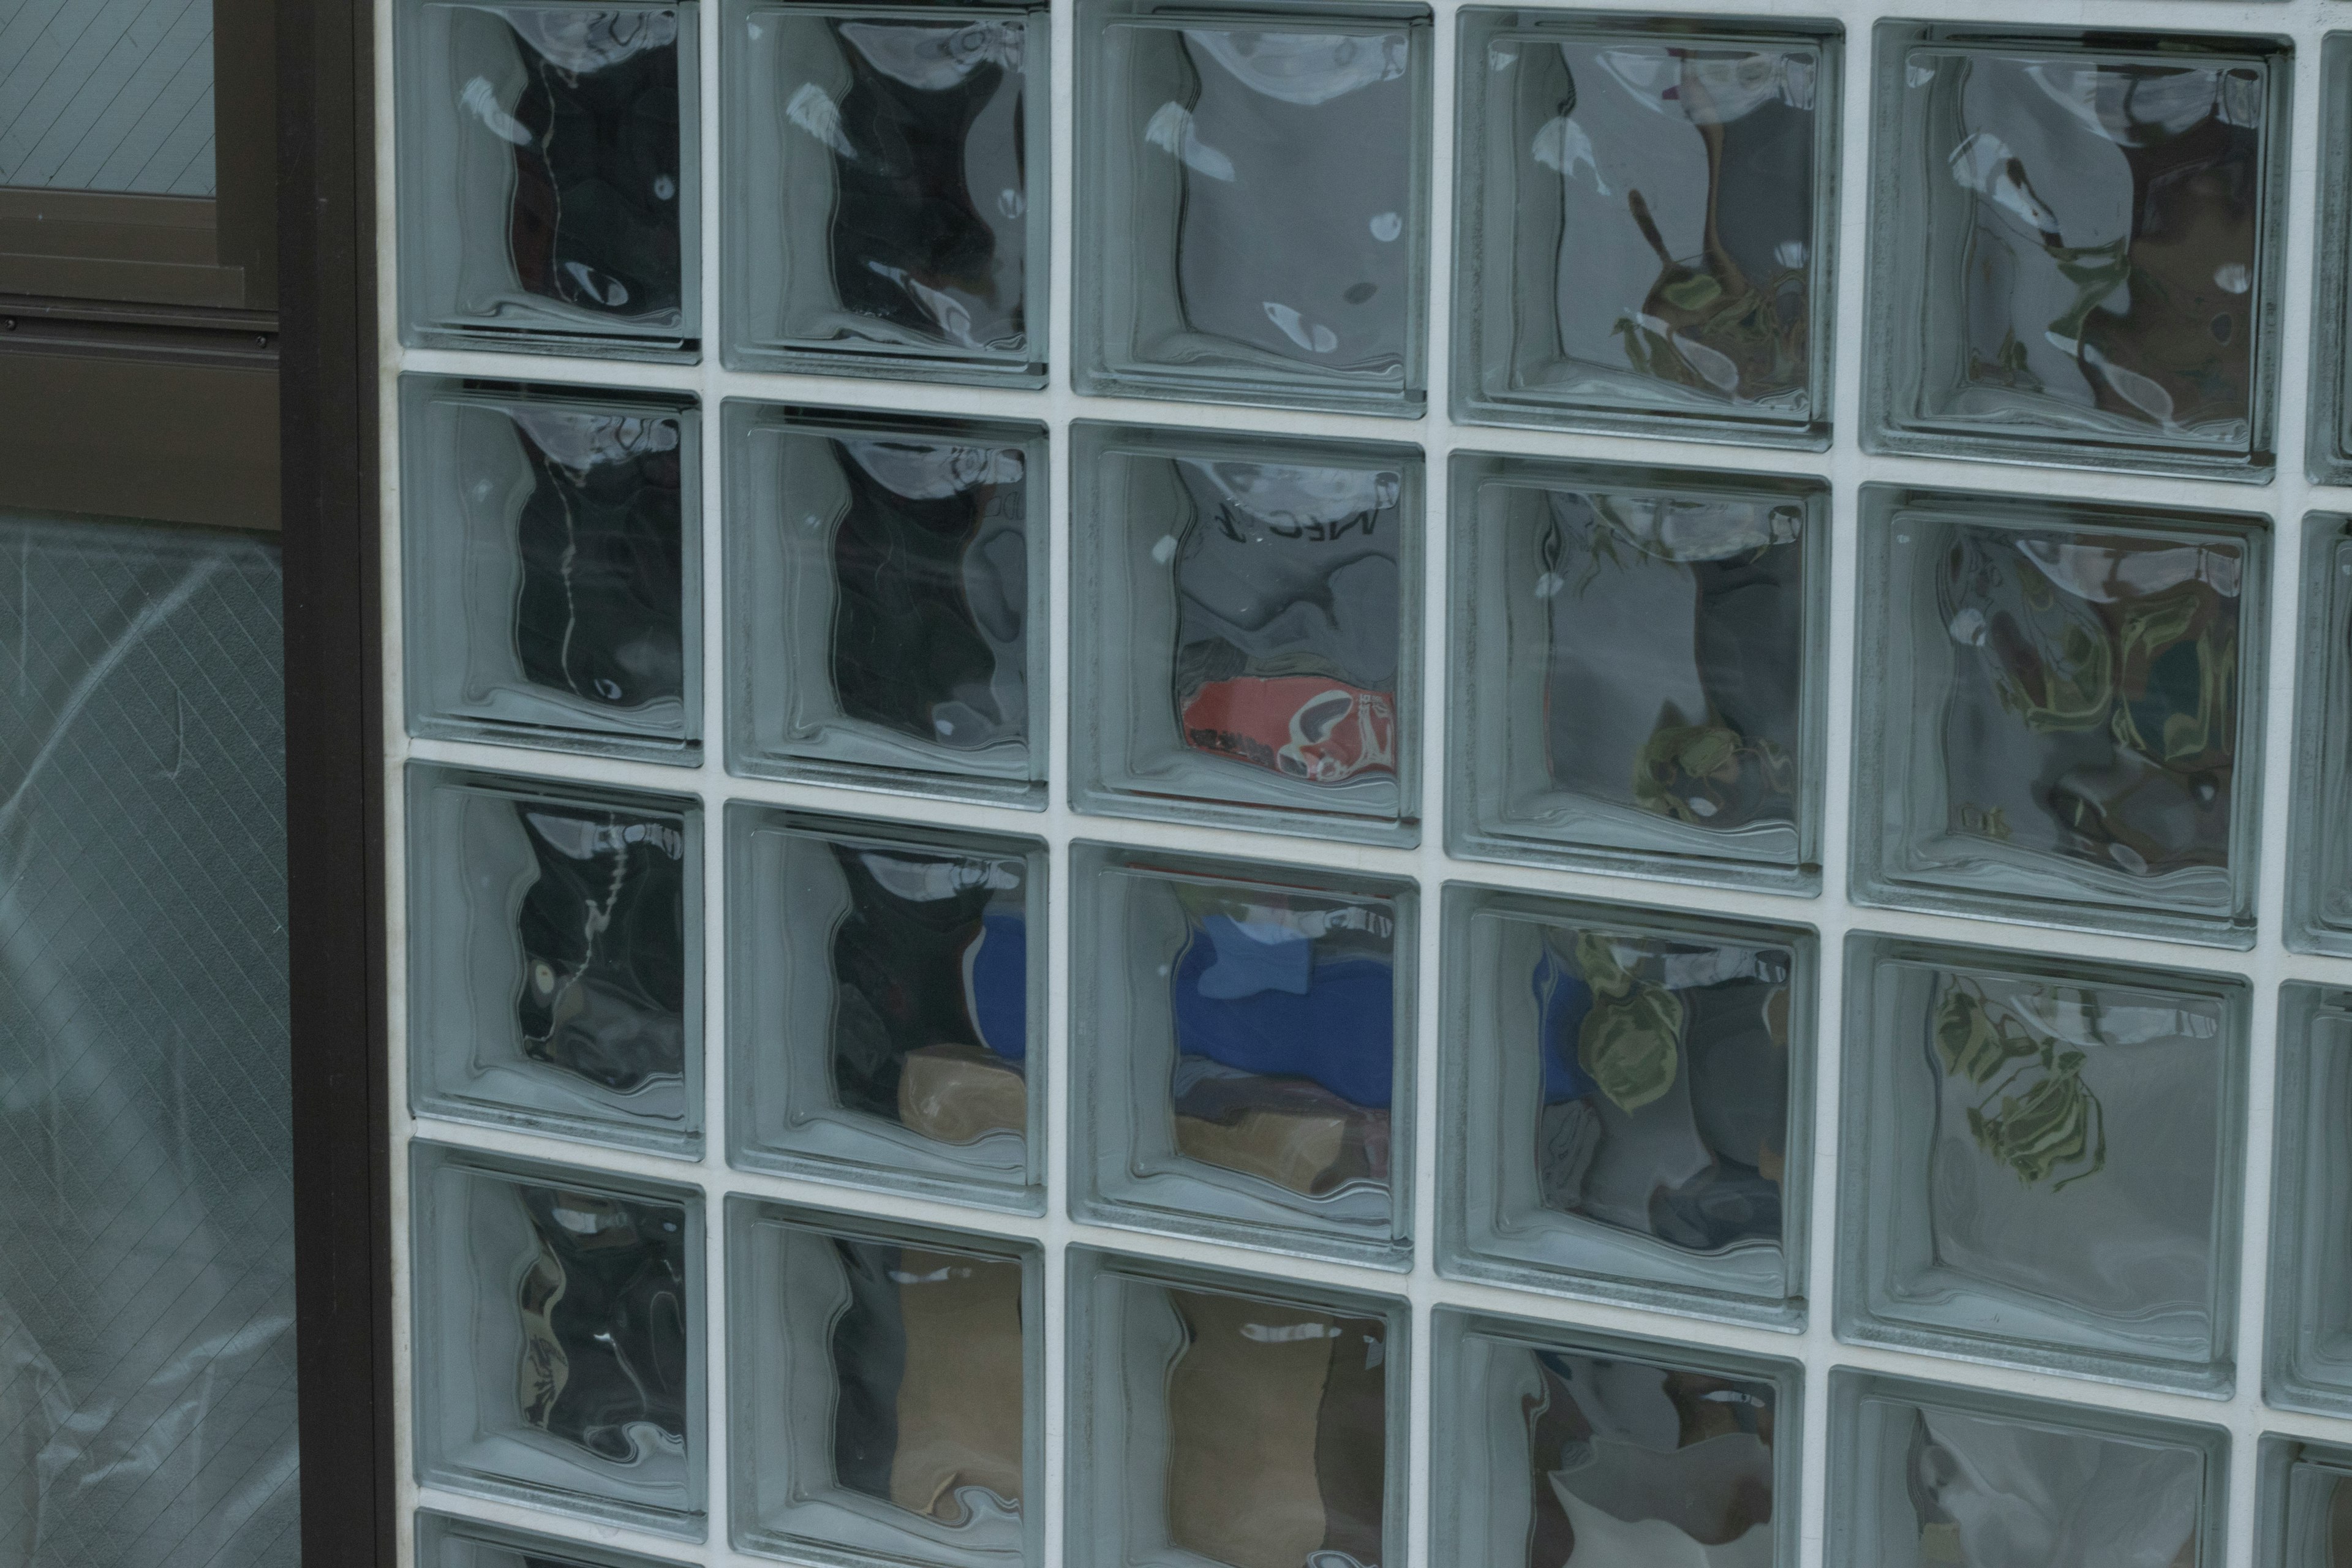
1548,1432
447,1541
887,581
1233,1419
506,110
1254,203
882,215
1927,1473
2025,298
2307,1345
887,1006
1638,670
559,1338
1675,311
886,1391
554,951
2041,1161
1629,1113
551,586
1244,1034
2302,1494
2319,852
1246,630
2051,725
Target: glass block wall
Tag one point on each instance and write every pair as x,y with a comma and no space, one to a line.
1353,785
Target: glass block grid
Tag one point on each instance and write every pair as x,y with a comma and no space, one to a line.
1354,904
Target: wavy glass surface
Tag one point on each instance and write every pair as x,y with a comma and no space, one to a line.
1248,615
880,212
2059,715
1233,1420
2308,1354
2078,250
2319,861
2043,1161
2307,1505
554,958
884,1389
1562,1448
1255,201
883,577
559,1338
1638,685
1628,1113
446,1542
548,163
1646,227
887,1003
553,583
1931,1476
1241,1035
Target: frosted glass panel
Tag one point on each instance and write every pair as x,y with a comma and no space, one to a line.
107,95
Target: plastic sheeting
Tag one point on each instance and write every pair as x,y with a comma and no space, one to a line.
147,1395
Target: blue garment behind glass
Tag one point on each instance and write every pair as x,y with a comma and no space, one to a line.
996,983
1339,1030
1561,1002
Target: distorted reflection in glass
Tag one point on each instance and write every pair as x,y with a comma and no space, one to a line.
882,1018
558,1338
553,981
544,157
2063,709
1246,626
879,191
548,536
1243,1030
886,576
2047,1161
1233,1428
1605,1455
2318,1531
1640,686
444,1541
882,1400
2083,243
1939,1479
1646,241
2319,848
1258,190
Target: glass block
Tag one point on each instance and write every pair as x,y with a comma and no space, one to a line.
1246,631
2043,1161
2075,256
1924,1474
2328,457
548,175
881,216
2305,1508
887,1382
886,1022
1628,1113
1649,212
553,581
2319,861
555,958
2053,711
1245,1422
1244,1036
1637,669
1555,1445
444,1541
883,577
559,1338
2308,1349
1254,202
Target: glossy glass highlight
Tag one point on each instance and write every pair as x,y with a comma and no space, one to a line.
885,1383
883,217
1244,1036
2043,1161
1637,669
1648,210
2059,720
1252,200
1627,1114
555,950
887,1017
2076,250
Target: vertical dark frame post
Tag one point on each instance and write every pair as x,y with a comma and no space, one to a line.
327,278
